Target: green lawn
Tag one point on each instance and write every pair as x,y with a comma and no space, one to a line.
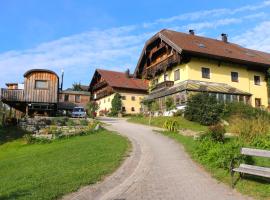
159,121
48,171
252,186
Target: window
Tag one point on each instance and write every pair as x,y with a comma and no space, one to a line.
104,100
133,98
123,97
257,80
123,109
66,97
77,98
234,76
228,97
41,84
132,109
205,72
234,98
258,102
177,75
166,77
241,98
221,97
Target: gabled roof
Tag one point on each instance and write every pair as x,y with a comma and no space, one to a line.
208,47
121,80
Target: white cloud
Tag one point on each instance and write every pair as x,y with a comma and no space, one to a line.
256,38
119,48
206,14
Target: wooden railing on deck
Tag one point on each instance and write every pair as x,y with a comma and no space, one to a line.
11,95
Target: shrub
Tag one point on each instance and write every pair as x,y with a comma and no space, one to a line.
219,155
30,139
84,122
203,108
216,132
178,113
243,110
249,129
116,104
171,125
261,142
92,108
71,122
169,103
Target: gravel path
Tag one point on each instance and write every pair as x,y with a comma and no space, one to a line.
157,168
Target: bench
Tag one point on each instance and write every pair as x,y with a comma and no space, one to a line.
250,169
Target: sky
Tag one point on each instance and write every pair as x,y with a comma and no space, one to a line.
79,36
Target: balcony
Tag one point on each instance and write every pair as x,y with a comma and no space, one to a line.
165,84
11,95
162,66
99,85
104,93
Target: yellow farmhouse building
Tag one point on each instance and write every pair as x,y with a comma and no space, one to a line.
179,64
105,84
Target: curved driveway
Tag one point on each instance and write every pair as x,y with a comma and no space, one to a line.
157,168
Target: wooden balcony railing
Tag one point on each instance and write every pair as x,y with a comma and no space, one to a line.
11,95
165,84
103,93
162,66
99,85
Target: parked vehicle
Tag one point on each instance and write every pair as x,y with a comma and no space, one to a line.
79,112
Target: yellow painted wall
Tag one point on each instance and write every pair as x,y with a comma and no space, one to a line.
128,103
106,102
183,74
222,74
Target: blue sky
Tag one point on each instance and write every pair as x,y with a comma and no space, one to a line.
80,36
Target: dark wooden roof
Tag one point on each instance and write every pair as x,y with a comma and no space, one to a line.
39,70
207,47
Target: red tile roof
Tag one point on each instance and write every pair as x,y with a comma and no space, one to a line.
213,47
120,80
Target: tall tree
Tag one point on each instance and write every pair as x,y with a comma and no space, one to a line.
116,104
77,87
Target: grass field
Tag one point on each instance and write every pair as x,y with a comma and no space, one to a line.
159,121
48,171
250,185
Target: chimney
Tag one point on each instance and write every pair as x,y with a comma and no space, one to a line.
191,32
224,37
127,73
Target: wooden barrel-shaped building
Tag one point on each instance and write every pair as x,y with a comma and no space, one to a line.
41,90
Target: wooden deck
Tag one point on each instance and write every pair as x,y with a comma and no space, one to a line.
14,95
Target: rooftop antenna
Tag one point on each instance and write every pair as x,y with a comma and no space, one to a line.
62,78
